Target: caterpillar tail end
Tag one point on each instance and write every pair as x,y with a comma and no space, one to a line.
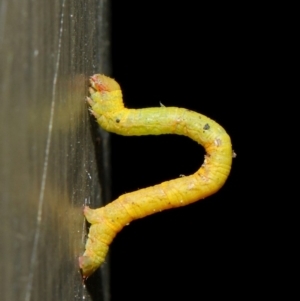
87,266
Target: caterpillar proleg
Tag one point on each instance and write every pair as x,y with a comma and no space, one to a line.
106,104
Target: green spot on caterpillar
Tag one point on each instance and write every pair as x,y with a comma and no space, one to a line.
106,104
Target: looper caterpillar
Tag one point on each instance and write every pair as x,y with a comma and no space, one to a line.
107,106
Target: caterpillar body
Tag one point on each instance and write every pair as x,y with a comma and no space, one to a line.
107,106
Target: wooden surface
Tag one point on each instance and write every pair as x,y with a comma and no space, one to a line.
48,164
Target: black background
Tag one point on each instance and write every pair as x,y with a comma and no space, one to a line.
201,57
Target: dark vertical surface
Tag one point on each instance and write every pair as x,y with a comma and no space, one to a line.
48,166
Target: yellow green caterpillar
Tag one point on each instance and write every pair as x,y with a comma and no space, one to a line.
107,106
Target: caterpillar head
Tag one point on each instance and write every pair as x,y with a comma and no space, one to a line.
106,95
102,83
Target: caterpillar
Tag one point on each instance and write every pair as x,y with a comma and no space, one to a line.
106,104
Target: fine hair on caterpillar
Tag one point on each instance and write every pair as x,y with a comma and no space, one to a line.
106,104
